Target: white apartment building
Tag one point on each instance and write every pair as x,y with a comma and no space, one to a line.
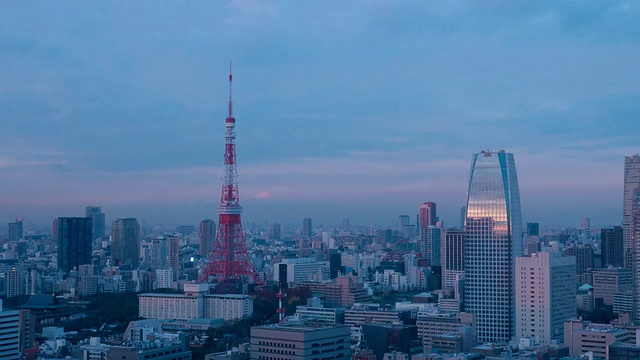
545,296
302,269
170,306
228,306
195,303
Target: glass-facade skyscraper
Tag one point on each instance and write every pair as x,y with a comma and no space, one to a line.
631,182
97,219
74,242
493,239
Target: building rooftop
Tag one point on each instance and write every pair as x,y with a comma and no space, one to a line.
229,296
585,287
298,327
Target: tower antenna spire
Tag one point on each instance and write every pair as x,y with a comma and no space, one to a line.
230,98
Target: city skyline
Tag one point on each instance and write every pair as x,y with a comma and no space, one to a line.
319,131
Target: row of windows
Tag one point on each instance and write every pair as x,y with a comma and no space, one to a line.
277,351
162,353
268,343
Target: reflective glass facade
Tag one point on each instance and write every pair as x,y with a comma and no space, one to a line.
493,239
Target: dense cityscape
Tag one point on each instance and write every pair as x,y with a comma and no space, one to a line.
487,288
315,201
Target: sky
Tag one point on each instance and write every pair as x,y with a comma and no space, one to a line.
350,109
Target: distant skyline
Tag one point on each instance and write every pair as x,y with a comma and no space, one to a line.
362,110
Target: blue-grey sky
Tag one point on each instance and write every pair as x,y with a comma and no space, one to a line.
359,109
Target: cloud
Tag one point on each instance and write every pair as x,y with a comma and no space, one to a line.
362,106
262,195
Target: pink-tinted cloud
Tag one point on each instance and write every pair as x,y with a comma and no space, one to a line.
262,195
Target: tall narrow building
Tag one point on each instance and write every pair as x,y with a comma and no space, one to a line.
173,256
74,242
307,228
16,231
452,257
493,239
207,236
125,242
430,245
159,257
635,231
98,221
612,247
631,182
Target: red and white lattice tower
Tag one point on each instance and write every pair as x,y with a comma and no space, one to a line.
229,259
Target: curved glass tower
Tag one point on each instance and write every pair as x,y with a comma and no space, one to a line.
493,239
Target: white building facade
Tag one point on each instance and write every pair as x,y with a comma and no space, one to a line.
545,297
195,303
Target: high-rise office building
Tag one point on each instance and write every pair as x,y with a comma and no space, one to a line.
584,257
612,247
635,233
125,242
159,253
452,257
533,229
427,214
404,222
307,227
430,245
345,224
550,277
173,256
15,231
463,216
98,221
207,236
611,281
15,281
493,239
74,242
631,182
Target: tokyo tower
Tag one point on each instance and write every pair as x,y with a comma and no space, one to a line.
229,259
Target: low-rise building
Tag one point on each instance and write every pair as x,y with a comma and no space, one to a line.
623,351
10,336
299,341
156,350
436,323
365,313
583,336
228,306
195,303
319,313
